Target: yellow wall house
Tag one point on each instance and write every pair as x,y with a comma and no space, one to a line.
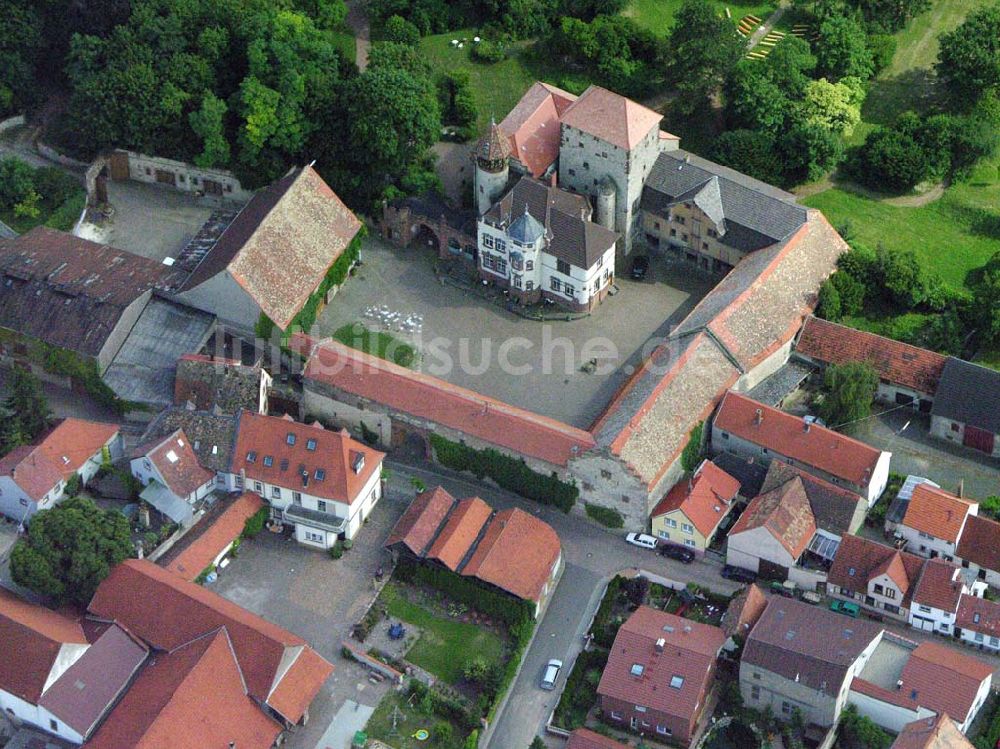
692,510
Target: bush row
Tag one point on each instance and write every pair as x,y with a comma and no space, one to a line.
606,516
580,692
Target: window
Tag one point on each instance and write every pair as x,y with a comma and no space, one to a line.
975,617
555,284
673,232
586,165
994,642
569,290
284,464
615,715
663,534
665,730
500,245
877,589
979,637
656,224
671,523
925,609
637,669
311,445
687,528
954,427
605,474
501,265
529,285
268,461
572,172
315,537
147,464
320,474
684,237
321,505
54,725
679,220
891,608
488,241
890,593
756,675
713,233
563,267
529,264
689,542
640,709
297,498
239,482
290,438
676,682
755,692
258,487
252,456
275,492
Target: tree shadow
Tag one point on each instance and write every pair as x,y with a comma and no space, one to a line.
915,89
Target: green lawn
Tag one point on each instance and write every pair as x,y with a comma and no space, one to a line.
658,15
408,720
378,344
445,645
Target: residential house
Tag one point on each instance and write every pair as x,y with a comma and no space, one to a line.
753,429
659,673
174,480
967,406
211,435
213,538
937,593
897,508
979,548
321,482
277,670
540,242
743,612
936,732
978,622
274,255
508,550
934,521
798,657
209,382
692,511
879,578
58,673
908,375
34,477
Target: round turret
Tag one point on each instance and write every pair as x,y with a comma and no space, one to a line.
606,195
491,155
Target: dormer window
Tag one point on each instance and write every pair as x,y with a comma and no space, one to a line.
320,474
252,456
637,669
359,463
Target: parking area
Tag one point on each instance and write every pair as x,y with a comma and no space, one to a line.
535,365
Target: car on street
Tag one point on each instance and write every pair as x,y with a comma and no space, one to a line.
641,539
640,267
738,574
680,553
846,607
550,674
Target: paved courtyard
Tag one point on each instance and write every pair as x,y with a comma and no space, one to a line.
474,343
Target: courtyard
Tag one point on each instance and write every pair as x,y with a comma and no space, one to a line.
474,343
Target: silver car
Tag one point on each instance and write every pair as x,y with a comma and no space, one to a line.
550,675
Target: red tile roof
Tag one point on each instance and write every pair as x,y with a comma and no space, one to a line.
705,498
335,365
335,453
785,435
897,362
421,520
216,538
584,738
460,532
516,554
190,698
940,585
936,512
36,634
185,611
785,513
533,126
979,615
174,458
56,456
869,559
980,542
744,611
944,679
611,117
937,732
689,652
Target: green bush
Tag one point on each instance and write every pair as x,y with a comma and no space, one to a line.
580,692
691,456
72,487
335,276
255,523
488,52
604,627
348,544
204,574
509,473
606,516
336,551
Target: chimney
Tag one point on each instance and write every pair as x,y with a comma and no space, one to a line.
961,488
758,417
805,426
660,645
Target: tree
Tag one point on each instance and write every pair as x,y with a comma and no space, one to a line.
842,49
750,152
986,292
860,732
990,507
890,159
790,65
398,29
888,16
17,181
753,100
828,305
833,106
903,277
26,399
808,152
848,391
691,455
21,45
851,293
704,48
208,123
537,743
70,549
11,433
969,60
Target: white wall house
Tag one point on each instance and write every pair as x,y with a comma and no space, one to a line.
934,522
171,462
937,596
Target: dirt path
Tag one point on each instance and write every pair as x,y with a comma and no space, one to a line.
765,28
357,22
904,201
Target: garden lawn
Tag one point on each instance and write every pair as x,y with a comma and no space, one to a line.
379,344
445,645
658,15
408,720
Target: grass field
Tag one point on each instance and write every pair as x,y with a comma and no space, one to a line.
409,720
377,344
658,15
445,646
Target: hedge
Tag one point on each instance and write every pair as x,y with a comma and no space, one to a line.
579,694
255,523
604,628
509,473
606,516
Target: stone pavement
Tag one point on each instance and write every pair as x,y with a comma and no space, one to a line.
351,717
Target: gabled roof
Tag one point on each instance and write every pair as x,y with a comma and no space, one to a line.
533,126
419,524
744,610
189,698
70,292
688,654
185,611
785,513
329,470
859,560
584,738
980,542
460,531
937,513
969,393
56,456
177,463
812,646
211,537
936,732
705,498
611,117
789,436
208,382
979,615
281,244
37,635
940,585
943,679
335,365
833,507
896,362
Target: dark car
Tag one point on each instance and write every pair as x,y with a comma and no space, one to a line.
738,574
679,553
640,266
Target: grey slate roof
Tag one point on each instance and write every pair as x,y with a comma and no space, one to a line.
969,393
748,471
526,228
752,213
167,502
212,435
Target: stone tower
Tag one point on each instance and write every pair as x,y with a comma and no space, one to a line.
492,153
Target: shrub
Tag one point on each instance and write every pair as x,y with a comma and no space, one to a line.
443,732
255,523
72,487
691,456
336,551
828,305
851,292
348,544
883,48
398,29
488,51
606,516
580,692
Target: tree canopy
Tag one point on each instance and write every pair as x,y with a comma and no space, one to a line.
704,48
27,410
969,60
848,391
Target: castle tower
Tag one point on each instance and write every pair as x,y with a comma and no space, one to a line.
607,194
491,156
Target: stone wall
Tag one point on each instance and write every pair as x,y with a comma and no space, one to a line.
186,177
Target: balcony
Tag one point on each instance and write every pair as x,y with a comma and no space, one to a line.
315,518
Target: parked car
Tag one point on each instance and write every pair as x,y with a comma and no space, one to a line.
550,674
846,607
680,553
786,589
738,574
810,597
640,267
641,539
